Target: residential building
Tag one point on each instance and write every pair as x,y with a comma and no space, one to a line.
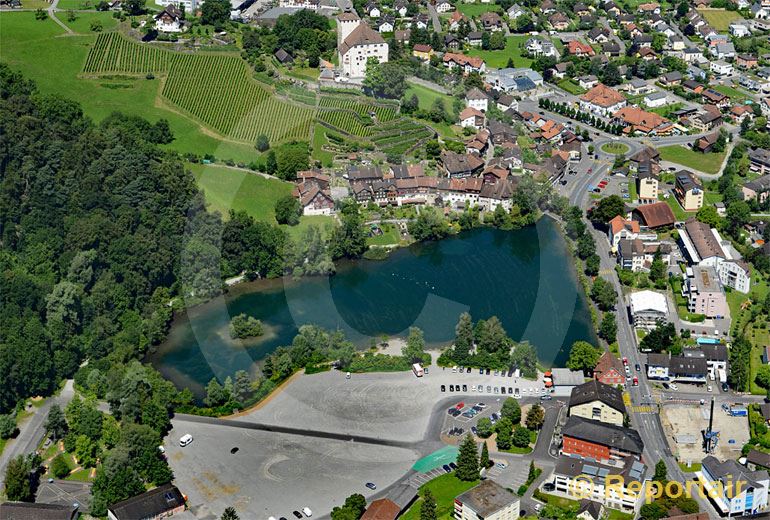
619,228
656,99
647,308
477,99
747,61
721,481
466,64
386,24
590,510
759,160
539,47
163,501
382,509
487,501
579,49
359,43
721,68
672,78
609,370
588,82
716,357
688,190
491,22
647,184
638,121
687,369
654,216
602,101
715,98
636,255
739,30
169,20
444,6
589,439
471,118
704,246
627,481
705,294
724,51
559,21
515,11
758,189
461,165
598,402
709,119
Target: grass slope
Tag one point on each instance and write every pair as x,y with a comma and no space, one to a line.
444,489
705,162
514,48
720,19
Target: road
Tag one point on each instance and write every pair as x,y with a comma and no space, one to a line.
434,18
32,431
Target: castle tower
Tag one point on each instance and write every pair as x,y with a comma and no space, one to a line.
346,23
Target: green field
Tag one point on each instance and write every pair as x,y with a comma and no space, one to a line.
36,49
230,188
474,10
705,162
571,87
427,97
615,148
444,489
514,47
719,19
734,94
319,140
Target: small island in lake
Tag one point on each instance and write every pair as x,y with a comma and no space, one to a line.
244,326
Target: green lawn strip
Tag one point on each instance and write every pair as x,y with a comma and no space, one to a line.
390,236
319,140
426,97
322,222
514,48
554,500
229,188
734,94
705,162
571,87
719,19
444,489
614,514
615,148
474,10
81,475
82,22
78,5
694,466
710,197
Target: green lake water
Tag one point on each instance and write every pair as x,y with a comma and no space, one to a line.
525,277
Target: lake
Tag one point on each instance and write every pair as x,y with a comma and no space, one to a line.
524,277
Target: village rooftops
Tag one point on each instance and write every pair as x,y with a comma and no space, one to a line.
629,468
603,96
596,391
361,35
657,214
487,498
610,435
703,240
730,471
150,504
29,511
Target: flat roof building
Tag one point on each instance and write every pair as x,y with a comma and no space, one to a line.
487,501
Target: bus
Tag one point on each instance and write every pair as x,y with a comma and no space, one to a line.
418,370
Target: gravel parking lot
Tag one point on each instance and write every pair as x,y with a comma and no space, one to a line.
274,474
384,405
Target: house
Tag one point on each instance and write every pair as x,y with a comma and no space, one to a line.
598,402
506,101
283,57
696,73
687,369
420,21
169,20
637,255
704,293
649,8
721,68
515,11
165,500
756,460
466,64
382,509
656,99
706,143
647,154
581,10
693,55
647,184
598,35
422,51
538,47
400,6
708,119
402,36
475,98
620,228
748,499
452,43
654,216
716,360
489,501
30,511
688,190
741,112
647,308
560,70
611,49
759,160
474,38
579,49
724,51
471,118
588,82
609,370
359,43
671,79
491,21
456,20
461,165
602,442
758,189
635,120
386,24
602,101
739,30
616,485
313,199
637,87
692,87
559,22
444,6
703,246
590,510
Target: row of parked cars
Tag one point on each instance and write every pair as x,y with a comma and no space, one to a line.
306,510
488,371
501,390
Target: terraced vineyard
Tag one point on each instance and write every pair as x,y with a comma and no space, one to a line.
348,122
361,107
400,135
215,89
114,54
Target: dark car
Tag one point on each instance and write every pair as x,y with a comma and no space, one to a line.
725,388
297,514
465,388
638,367
481,371
234,450
443,388
545,397
488,371
451,388
371,485
453,465
451,411
468,371
510,390
446,468
474,430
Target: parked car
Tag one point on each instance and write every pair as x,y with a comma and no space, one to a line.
446,468
185,440
468,371
451,388
725,388
371,485
638,367
443,388
307,511
297,514
545,397
481,405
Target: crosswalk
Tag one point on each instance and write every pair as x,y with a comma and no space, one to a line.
626,399
643,409
605,272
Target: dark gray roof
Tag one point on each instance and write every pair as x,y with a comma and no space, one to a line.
687,180
629,468
715,352
730,470
687,366
759,458
596,391
487,498
610,435
150,504
26,511
592,508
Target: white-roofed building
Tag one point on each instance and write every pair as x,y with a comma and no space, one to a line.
647,307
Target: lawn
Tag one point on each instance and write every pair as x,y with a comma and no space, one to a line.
32,47
474,10
319,140
229,188
705,162
694,466
498,59
321,221
719,19
78,5
82,22
426,97
734,94
571,87
444,489
615,148
390,236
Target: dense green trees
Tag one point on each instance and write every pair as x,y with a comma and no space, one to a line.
348,239
352,509
603,293
429,225
608,329
386,80
468,460
511,410
19,476
583,356
428,506
216,13
659,339
607,209
288,210
535,417
243,326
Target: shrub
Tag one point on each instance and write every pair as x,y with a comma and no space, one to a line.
59,467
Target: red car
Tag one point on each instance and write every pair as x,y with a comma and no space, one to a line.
636,381
625,361
460,405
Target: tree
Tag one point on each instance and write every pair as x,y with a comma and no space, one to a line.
586,246
291,158
463,339
216,13
288,210
386,80
657,268
429,225
414,348
484,461
428,506
468,460
535,417
608,329
352,509
611,75
263,143
607,209
133,7
349,238
661,473
504,429
215,393
583,356
708,215
271,163
244,326
229,514
740,359
603,293
511,410
593,262
659,339
738,215
59,467
484,427
520,437
763,376
7,426
524,357
18,485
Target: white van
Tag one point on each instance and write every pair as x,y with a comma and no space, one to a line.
185,440
307,511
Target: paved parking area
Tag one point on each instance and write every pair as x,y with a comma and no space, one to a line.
273,474
384,405
65,492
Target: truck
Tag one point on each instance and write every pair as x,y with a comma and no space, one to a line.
418,370
738,410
